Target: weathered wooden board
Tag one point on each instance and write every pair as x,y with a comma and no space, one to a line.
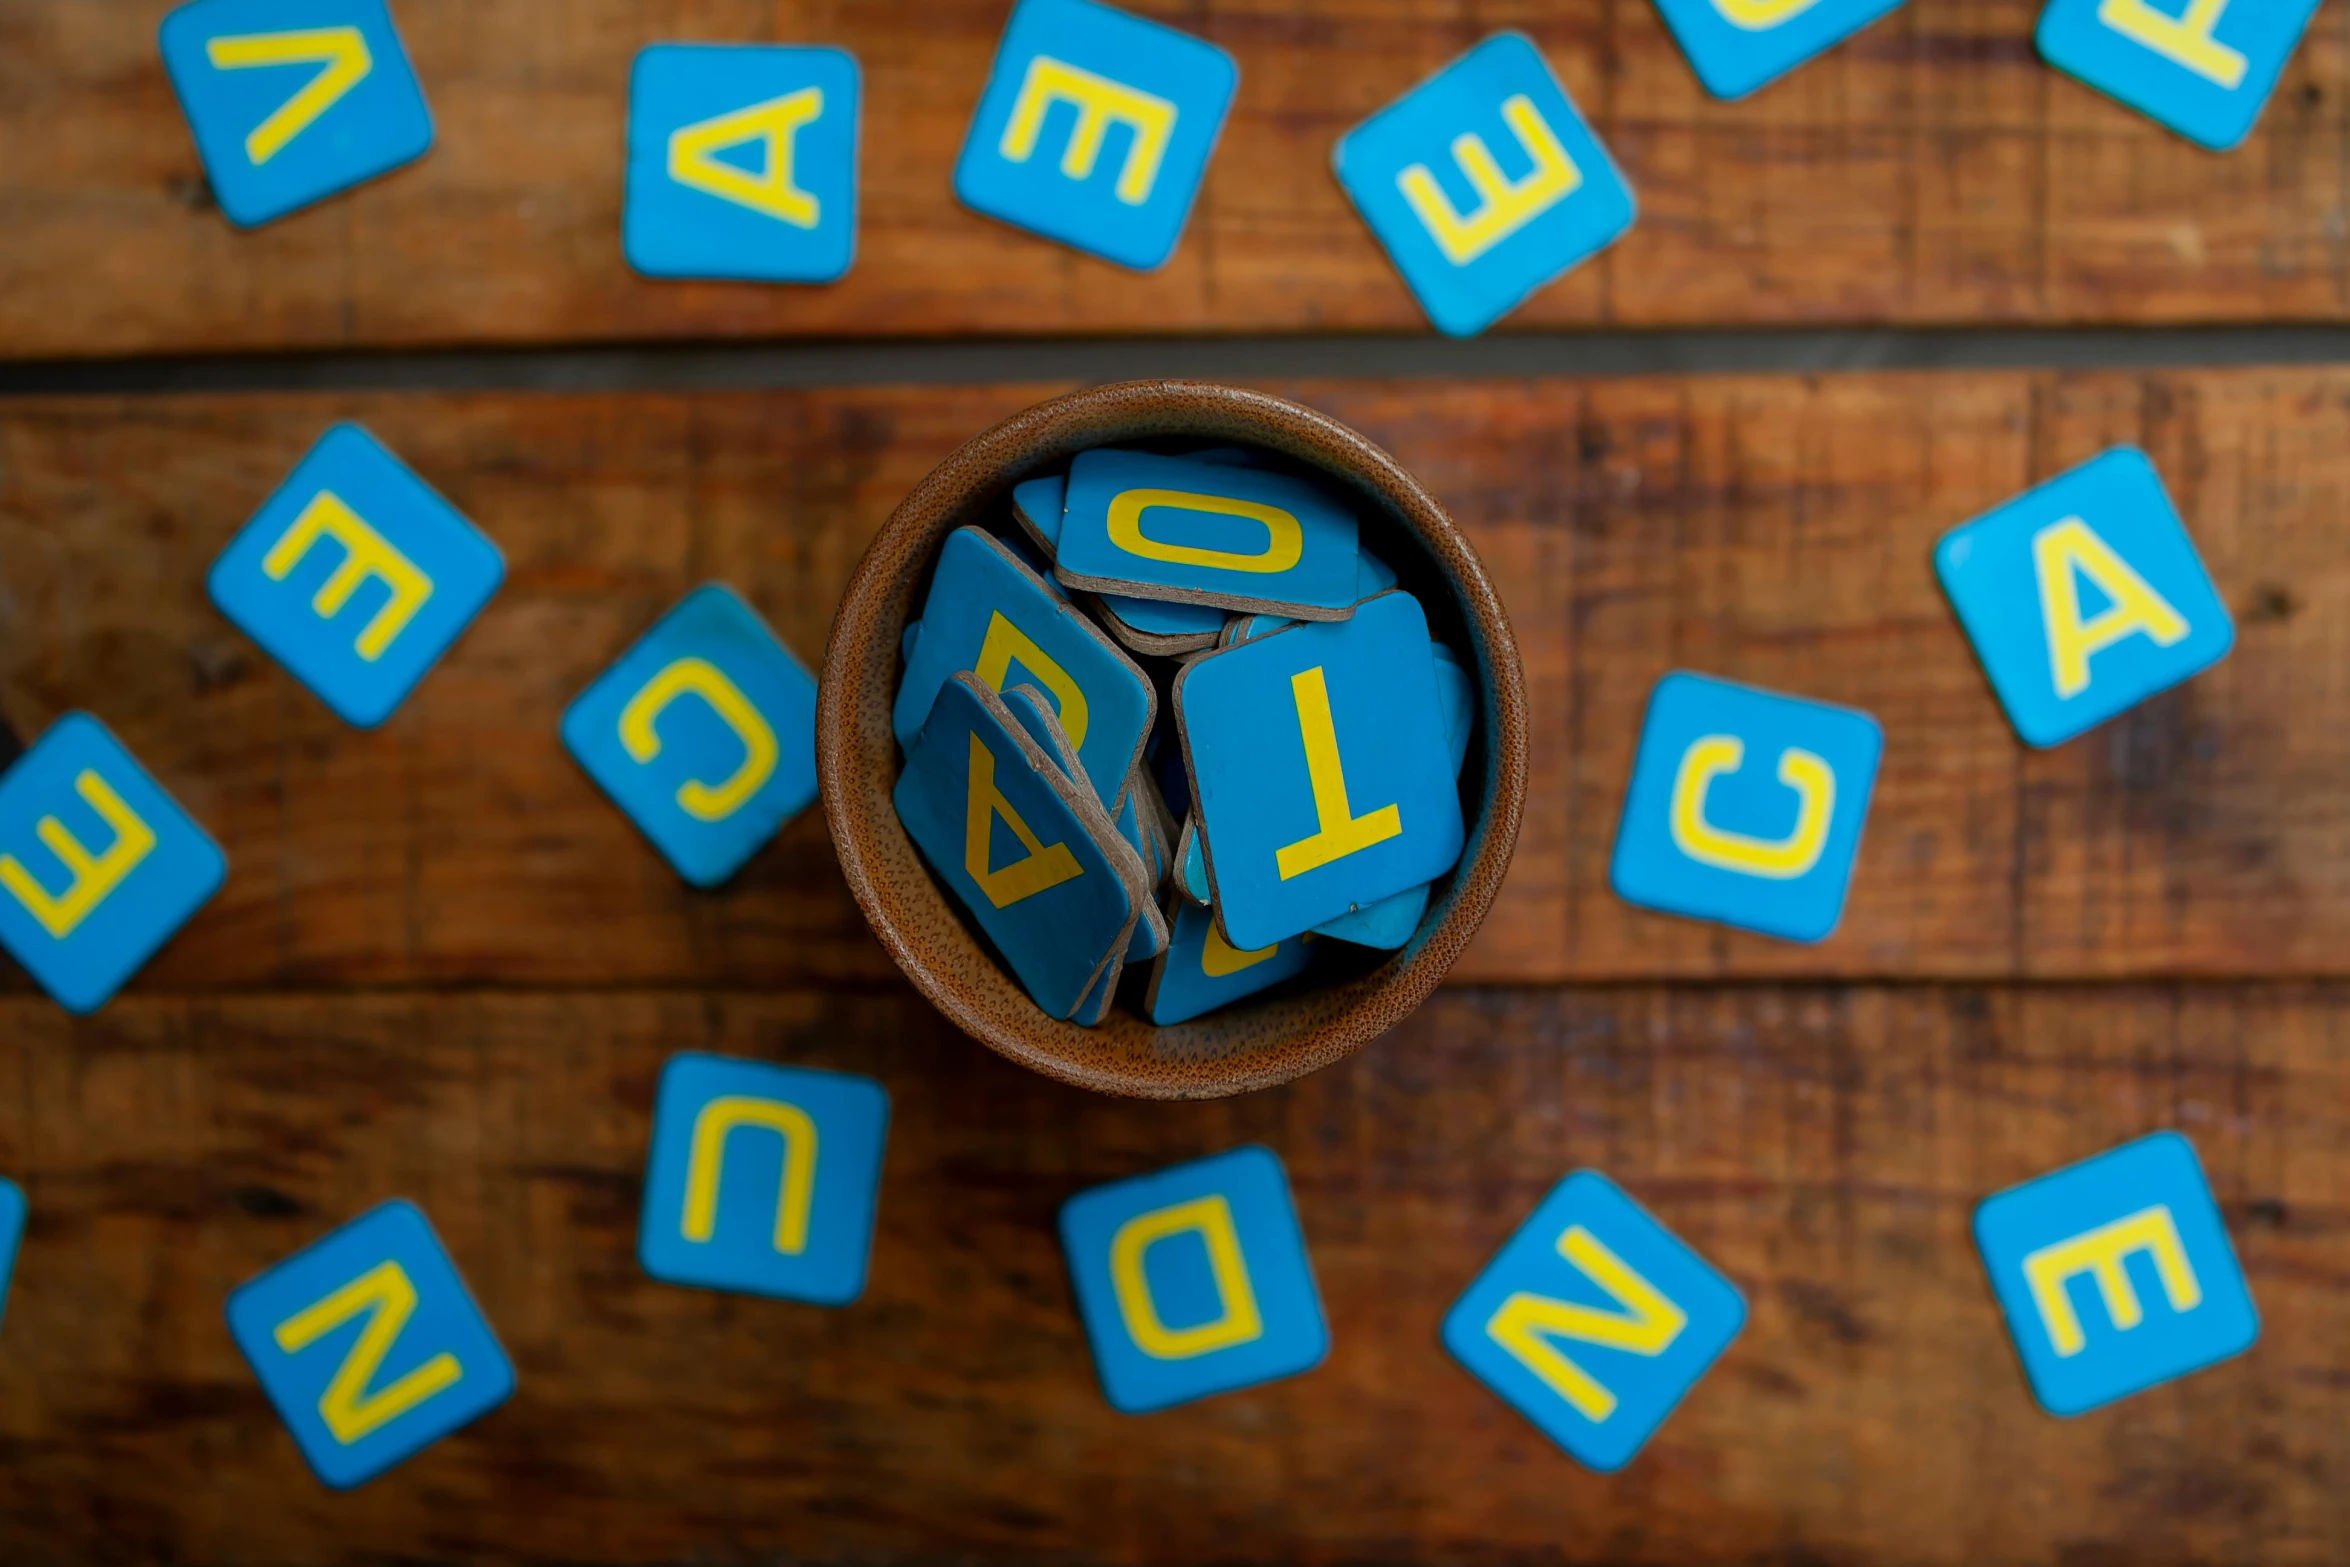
1769,530
1824,1147
1932,170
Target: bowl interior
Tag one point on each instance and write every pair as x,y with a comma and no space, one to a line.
1344,1000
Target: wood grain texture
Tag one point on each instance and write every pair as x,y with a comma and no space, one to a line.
1824,1148
1931,170
1769,530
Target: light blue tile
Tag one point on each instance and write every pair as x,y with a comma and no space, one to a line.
1484,183
742,163
1095,129
2204,69
986,612
1746,806
1737,46
293,100
2084,596
1300,830
12,1221
1595,1321
1193,1280
356,576
1012,848
2115,1274
1241,538
1201,971
763,1179
98,865
369,1345
704,733
1038,505
1393,920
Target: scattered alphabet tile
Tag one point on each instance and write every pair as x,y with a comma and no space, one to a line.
1738,46
2116,1274
2084,596
1484,183
1095,129
1237,538
356,576
2205,69
12,1221
369,1345
1746,807
1008,834
1193,1280
989,613
763,1179
742,162
704,733
291,101
1318,758
1594,1321
98,865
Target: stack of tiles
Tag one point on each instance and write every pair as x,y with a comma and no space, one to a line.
1174,714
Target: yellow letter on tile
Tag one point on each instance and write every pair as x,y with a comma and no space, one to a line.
2059,551
2099,1253
2185,39
93,875
1042,868
340,52
1338,831
1526,1323
699,677
1098,101
1780,859
1210,1218
775,124
1505,206
366,553
711,1124
387,1299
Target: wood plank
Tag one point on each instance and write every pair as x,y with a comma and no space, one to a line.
1769,530
1933,170
1824,1147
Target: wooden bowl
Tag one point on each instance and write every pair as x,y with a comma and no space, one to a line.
1253,1043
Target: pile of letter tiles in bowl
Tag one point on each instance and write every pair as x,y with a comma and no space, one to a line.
1087,823
1043,648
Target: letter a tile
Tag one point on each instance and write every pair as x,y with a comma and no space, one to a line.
763,1179
356,576
98,866
1318,758
1026,850
1095,129
704,732
369,1345
2115,1274
742,163
1746,807
1194,1281
293,100
2084,597
2205,68
1595,1321
1737,46
1483,183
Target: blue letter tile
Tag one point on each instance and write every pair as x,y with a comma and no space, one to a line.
1484,184
2115,1274
763,1179
709,780
1318,757
2204,68
369,1345
742,163
12,1217
98,866
1193,1281
1736,46
1746,807
356,576
1096,129
2084,597
293,100
1595,1321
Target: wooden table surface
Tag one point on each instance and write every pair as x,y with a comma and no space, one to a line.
445,967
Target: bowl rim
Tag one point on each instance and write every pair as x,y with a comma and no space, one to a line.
860,661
